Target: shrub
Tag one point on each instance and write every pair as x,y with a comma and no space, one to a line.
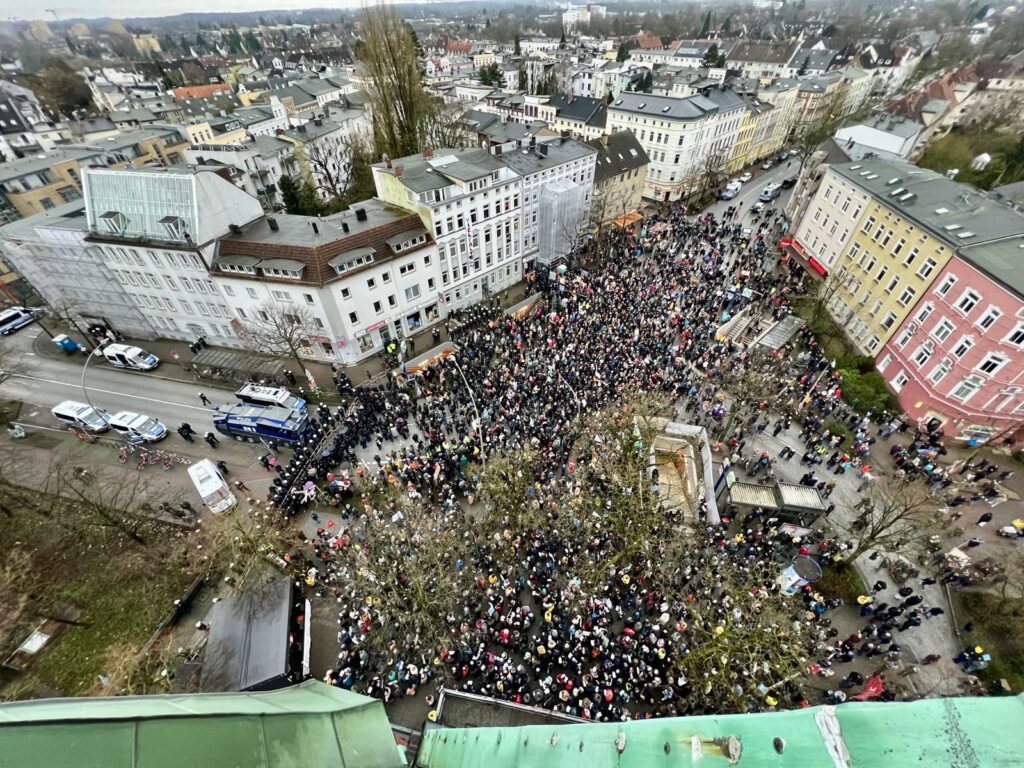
867,390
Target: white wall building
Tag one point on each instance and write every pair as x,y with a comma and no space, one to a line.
888,137
824,230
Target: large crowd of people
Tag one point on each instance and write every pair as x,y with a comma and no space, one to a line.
644,321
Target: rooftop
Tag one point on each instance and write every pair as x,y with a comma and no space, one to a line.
663,107
444,166
617,153
529,160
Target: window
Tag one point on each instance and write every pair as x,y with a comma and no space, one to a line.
171,284
873,343
378,307
405,269
883,363
943,329
280,295
353,318
309,298
925,312
904,339
875,308
889,321
988,319
346,293
968,301
392,300
229,290
1016,336
412,292
386,277
922,355
251,292
992,363
907,296
881,273
927,267
939,372
899,381
948,282
962,347
965,390
899,247
868,224
892,285
241,313
371,283
185,307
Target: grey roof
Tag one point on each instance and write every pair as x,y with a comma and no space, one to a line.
238,260
297,95
311,131
585,109
252,115
420,173
15,169
138,114
478,120
695,49
271,145
316,87
726,99
345,256
957,214
293,265
1002,261
617,153
816,59
402,237
531,160
897,125
298,230
663,107
768,52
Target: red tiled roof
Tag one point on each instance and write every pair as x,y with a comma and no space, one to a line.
200,91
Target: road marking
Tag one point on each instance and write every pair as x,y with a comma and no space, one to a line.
112,392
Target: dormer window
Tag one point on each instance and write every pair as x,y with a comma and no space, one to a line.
174,227
115,222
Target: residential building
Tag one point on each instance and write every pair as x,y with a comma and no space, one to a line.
999,94
581,117
157,230
742,150
782,120
857,90
469,202
557,182
263,120
914,223
255,166
819,99
888,137
51,251
691,53
574,17
681,136
619,174
360,278
765,61
320,152
820,237
36,184
25,128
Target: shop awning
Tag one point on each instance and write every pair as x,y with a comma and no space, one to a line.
628,219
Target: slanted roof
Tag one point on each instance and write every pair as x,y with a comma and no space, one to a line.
310,725
753,495
617,153
929,733
797,496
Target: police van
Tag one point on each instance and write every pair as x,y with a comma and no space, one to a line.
211,486
136,428
256,394
254,423
81,416
16,317
133,358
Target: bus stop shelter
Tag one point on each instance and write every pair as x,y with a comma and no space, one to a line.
237,367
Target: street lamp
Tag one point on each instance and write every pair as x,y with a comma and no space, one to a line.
85,392
575,394
476,412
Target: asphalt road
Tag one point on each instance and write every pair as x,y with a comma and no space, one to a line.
752,189
47,381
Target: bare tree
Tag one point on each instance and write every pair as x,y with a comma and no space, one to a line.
445,126
825,290
895,513
282,329
328,166
808,136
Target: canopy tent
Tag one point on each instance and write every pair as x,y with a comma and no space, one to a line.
310,725
627,219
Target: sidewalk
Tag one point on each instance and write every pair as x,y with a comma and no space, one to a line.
180,370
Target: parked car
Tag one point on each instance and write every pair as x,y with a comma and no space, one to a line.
728,193
784,156
767,164
789,181
746,176
133,358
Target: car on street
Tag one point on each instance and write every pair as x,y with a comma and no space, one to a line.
16,317
789,181
132,358
770,192
767,164
746,176
784,156
728,193
757,207
136,428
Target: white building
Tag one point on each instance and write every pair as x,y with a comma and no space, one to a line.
355,280
576,16
824,233
888,137
679,135
469,201
557,178
156,230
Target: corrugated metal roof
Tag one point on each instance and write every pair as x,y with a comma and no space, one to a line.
310,725
931,733
753,495
800,496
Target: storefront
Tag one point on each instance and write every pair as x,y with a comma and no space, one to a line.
794,250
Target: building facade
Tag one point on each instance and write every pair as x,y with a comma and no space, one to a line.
619,174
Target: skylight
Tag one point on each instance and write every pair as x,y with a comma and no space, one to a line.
941,211
890,182
951,227
964,235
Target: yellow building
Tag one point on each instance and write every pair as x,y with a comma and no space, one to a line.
146,43
225,132
483,59
619,176
767,140
36,184
742,148
902,226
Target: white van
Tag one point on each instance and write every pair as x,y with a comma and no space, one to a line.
16,317
211,486
255,394
81,416
125,356
136,428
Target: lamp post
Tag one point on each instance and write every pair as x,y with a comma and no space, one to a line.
575,394
476,411
85,392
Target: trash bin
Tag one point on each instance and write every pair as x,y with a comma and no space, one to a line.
65,343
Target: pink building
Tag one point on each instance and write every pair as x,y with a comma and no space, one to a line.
959,355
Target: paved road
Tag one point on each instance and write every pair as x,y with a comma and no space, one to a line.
752,189
48,381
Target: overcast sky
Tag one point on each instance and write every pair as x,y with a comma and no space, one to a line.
133,8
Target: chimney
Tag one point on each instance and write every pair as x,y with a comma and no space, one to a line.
344,226
360,214
543,150
316,229
272,223
234,229
398,171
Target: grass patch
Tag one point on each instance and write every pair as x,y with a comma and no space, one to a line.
999,630
122,590
843,581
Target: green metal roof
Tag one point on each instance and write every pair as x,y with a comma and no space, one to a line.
306,726
962,732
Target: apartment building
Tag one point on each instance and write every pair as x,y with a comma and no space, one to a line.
619,174
764,61
557,182
470,203
356,280
823,234
580,117
915,221
37,184
959,357
680,136
156,230
780,121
